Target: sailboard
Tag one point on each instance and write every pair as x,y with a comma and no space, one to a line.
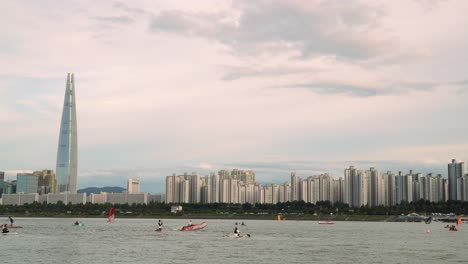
110,216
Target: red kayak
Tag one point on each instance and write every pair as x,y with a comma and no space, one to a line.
194,227
14,226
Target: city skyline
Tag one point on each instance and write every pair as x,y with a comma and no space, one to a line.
173,86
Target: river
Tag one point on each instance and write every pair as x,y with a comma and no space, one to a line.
56,240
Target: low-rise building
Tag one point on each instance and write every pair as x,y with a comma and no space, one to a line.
20,198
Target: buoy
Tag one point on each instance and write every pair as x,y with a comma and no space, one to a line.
428,231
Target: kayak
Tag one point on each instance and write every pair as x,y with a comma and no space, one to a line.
9,233
194,227
15,227
80,224
326,223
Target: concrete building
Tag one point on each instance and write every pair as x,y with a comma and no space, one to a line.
98,198
2,183
133,186
295,187
456,171
20,198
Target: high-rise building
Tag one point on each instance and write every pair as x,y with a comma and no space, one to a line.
295,187
133,186
46,181
456,170
375,187
2,183
356,187
26,183
67,153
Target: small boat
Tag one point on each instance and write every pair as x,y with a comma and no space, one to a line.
159,229
9,233
326,223
194,227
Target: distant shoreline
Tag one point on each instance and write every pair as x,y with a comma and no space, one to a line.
339,218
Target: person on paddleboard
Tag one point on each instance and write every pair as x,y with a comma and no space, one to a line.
236,231
11,220
5,228
160,224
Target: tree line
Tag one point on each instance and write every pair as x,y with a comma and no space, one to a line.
296,207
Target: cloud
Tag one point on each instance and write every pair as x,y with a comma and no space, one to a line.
344,29
363,89
124,20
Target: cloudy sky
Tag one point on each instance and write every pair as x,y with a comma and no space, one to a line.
273,86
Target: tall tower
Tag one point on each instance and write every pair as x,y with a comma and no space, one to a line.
67,153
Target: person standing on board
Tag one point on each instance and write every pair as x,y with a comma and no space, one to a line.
160,224
236,231
11,220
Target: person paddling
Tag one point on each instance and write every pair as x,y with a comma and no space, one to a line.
5,229
160,224
77,223
11,220
236,231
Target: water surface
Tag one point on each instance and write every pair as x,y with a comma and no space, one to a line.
53,240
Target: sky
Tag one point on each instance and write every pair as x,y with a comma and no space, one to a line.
168,87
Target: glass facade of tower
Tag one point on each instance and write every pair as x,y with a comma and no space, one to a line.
67,154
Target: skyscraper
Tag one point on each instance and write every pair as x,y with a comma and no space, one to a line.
67,154
2,184
456,170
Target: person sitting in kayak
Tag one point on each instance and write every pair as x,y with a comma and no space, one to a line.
236,231
5,229
77,223
11,220
190,223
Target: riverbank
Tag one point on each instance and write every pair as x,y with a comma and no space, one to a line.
368,218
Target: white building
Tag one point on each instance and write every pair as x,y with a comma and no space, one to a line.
133,186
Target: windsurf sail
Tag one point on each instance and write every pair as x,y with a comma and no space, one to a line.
110,216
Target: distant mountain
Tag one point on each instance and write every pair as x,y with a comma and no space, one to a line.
103,189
